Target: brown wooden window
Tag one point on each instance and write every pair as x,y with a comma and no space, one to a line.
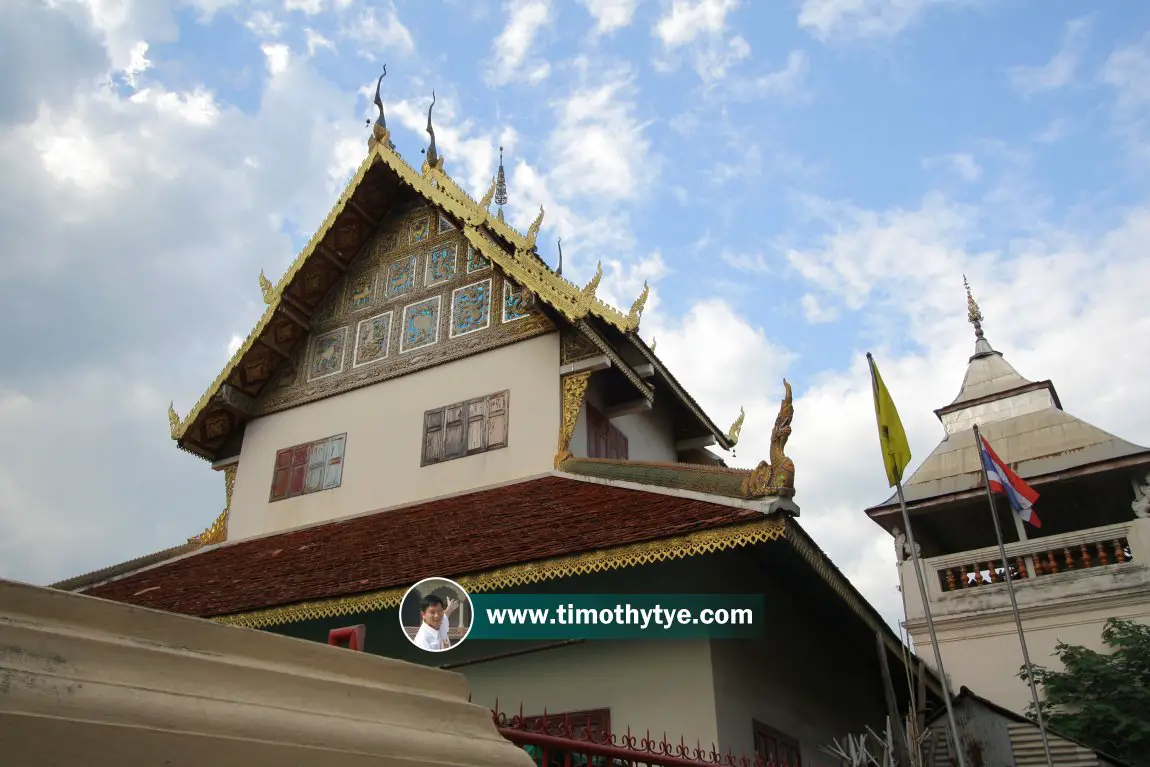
603,439
773,747
308,468
465,428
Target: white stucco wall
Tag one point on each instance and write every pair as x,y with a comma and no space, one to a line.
384,426
976,628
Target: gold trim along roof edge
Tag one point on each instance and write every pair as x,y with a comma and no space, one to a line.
438,188
617,558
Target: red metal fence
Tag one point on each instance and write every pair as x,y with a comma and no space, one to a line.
566,741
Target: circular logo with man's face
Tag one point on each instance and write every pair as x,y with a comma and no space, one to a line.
436,615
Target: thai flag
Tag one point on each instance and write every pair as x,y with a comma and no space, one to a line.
1002,480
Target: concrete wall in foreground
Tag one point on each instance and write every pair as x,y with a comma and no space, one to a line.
103,684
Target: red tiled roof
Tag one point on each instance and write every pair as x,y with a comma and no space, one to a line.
526,522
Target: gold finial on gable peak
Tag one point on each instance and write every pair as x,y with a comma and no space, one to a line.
533,232
973,313
736,428
636,312
266,288
173,420
653,342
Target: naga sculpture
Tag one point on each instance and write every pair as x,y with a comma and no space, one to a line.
777,477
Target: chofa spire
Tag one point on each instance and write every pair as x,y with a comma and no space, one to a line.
974,316
434,161
379,132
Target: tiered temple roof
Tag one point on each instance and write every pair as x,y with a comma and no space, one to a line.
1023,419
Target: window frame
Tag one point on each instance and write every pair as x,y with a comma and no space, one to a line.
469,427
303,459
781,741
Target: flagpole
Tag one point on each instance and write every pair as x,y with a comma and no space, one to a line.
930,627
946,695
1013,599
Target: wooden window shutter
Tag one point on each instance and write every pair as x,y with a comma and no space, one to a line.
298,470
333,472
497,420
617,444
281,474
454,431
316,464
476,410
433,435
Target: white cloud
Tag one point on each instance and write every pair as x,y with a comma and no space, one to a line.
687,20
308,7
698,28
610,15
315,41
277,57
963,163
599,148
235,344
379,32
1127,72
1060,70
137,64
512,50
863,19
815,312
746,262
264,24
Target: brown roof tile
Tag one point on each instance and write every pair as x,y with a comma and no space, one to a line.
530,521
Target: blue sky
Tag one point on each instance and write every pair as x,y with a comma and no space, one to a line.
800,181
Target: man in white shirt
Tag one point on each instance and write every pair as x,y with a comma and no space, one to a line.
432,634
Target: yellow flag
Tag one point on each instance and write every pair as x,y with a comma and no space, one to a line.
891,435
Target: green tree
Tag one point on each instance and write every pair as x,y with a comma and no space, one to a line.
1102,699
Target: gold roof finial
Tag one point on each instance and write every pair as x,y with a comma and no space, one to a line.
485,203
559,269
736,428
636,312
653,342
266,287
173,419
973,313
433,161
379,132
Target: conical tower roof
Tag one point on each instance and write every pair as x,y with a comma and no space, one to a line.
1023,419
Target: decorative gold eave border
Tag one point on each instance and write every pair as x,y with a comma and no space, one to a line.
677,547
439,189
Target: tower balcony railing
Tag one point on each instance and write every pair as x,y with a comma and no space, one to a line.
1111,549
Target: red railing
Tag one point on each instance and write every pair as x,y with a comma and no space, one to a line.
565,741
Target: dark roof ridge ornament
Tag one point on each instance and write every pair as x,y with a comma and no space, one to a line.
559,269
974,316
379,132
433,158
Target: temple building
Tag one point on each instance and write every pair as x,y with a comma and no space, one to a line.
1084,564
426,397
